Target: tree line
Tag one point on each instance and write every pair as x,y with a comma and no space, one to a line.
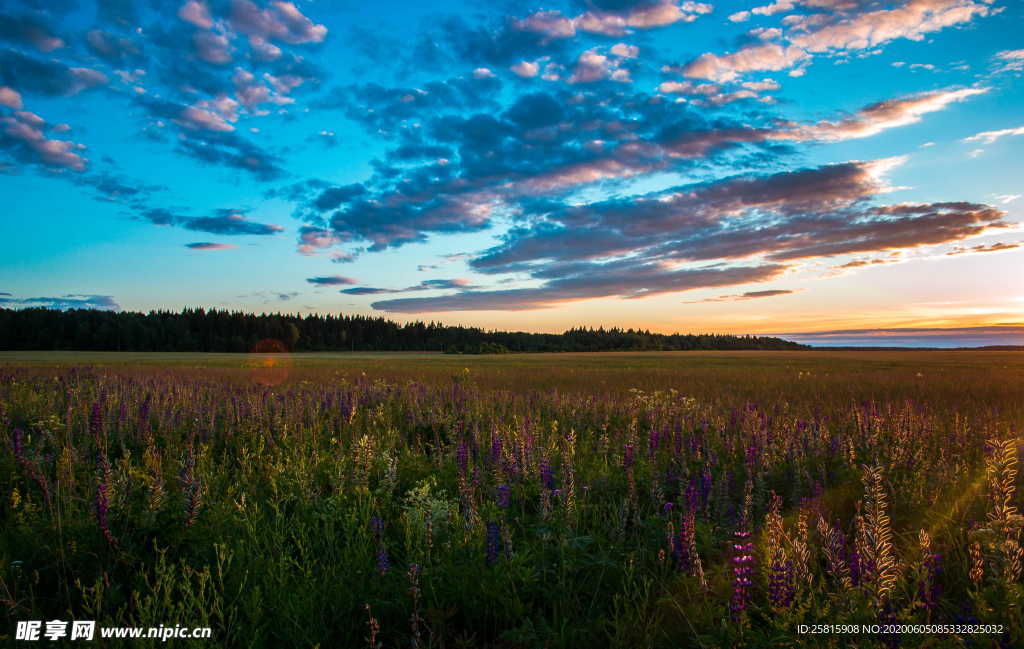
212,330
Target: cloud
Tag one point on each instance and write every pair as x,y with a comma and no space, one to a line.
23,137
206,245
749,295
282,21
10,97
197,13
613,19
995,247
593,66
113,49
28,30
760,58
989,137
808,213
1008,334
846,27
331,280
48,78
1010,60
625,279
64,302
222,221
425,285
888,114
526,69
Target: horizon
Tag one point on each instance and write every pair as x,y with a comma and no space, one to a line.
832,173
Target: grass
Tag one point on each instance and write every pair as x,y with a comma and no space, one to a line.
514,501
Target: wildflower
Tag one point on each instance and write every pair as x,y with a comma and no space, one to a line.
627,457
383,563
743,570
780,584
377,527
504,496
493,543
547,478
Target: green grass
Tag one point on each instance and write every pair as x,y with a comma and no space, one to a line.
242,492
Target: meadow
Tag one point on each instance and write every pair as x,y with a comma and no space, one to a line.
634,500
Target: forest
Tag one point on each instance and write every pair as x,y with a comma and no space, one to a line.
212,330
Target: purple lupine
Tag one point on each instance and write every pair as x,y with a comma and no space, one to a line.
547,477
96,422
493,543
929,589
103,511
377,527
504,496
19,447
742,570
462,457
627,457
495,447
780,584
383,563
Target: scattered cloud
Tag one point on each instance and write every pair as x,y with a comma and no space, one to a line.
222,221
331,280
749,295
206,245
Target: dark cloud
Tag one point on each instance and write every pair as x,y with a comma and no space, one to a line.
231,150
69,301
817,212
114,49
50,78
426,285
749,295
207,136
208,245
333,197
29,30
626,279
501,44
26,138
331,280
381,108
223,222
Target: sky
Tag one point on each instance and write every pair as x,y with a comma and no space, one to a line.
839,172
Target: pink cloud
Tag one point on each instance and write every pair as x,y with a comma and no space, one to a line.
197,13
26,128
212,48
282,21
10,97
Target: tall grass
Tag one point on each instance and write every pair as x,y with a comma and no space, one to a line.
721,504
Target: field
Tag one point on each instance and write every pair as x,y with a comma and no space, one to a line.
634,500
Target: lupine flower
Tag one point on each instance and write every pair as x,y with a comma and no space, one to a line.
96,422
383,563
547,477
462,457
780,584
493,543
742,570
627,457
504,496
377,527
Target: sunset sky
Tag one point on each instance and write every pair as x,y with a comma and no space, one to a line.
836,171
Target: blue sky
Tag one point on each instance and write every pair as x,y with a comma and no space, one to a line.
833,170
